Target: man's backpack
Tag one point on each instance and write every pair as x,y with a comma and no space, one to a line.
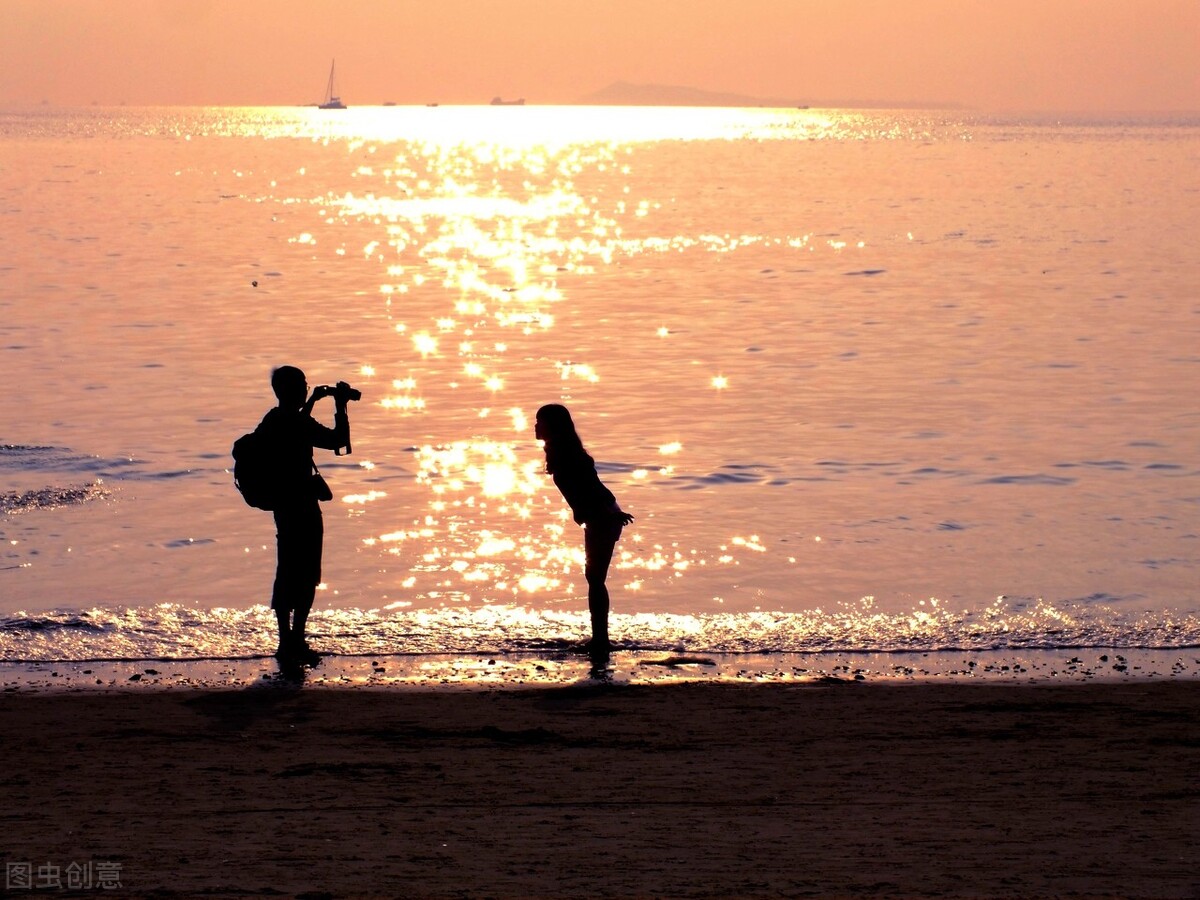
255,469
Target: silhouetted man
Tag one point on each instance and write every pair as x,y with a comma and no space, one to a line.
293,434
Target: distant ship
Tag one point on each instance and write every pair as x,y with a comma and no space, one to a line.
499,101
332,101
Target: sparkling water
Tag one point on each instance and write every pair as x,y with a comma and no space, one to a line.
869,380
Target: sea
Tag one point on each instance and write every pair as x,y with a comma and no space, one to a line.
876,384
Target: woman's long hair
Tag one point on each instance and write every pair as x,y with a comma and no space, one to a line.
562,444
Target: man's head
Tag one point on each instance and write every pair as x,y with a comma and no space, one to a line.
290,386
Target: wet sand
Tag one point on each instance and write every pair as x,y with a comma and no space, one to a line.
682,790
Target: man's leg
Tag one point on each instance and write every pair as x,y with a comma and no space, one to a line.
300,619
299,533
306,575
281,617
280,600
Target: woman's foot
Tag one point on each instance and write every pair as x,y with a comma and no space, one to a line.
300,652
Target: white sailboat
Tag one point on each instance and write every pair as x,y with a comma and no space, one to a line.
332,100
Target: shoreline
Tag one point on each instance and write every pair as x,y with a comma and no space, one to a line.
560,668
622,790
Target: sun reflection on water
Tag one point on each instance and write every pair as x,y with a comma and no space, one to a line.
551,129
484,226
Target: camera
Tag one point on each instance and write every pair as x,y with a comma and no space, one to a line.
341,391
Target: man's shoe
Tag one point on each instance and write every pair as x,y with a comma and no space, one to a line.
304,654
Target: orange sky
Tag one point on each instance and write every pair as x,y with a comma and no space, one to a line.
1059,55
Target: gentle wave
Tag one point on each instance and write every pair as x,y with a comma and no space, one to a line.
50,498
49,463
172,632
25,458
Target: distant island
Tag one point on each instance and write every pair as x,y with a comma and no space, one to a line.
622,93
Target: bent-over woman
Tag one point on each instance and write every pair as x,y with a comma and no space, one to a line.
592,505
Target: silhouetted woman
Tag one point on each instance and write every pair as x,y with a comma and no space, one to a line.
592,504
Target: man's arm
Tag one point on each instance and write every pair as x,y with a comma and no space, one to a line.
334,438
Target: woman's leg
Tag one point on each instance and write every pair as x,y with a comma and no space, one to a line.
598,544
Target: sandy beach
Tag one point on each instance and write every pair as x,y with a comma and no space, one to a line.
687,790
